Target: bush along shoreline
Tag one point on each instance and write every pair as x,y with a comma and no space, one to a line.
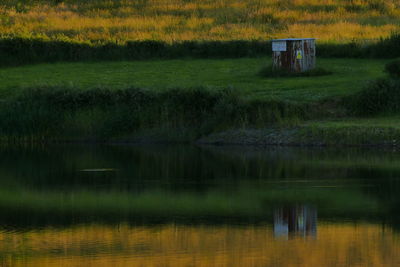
16,51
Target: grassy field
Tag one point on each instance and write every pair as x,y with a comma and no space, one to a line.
188,99
168,70
349,76
101,30
177,20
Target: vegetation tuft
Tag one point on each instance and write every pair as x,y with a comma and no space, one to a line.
380,96
393,69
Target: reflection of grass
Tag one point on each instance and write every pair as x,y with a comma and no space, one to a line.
176,245
248,202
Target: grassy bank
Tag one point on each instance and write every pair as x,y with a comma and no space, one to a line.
52,114
187,100
376,131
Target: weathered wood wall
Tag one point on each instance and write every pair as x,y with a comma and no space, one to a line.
294,55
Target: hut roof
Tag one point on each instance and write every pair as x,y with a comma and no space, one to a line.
292,39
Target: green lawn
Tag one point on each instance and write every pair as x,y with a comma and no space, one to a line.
350,75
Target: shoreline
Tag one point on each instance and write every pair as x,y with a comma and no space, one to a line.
304,137
300,136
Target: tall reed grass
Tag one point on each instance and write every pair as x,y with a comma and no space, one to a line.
100,114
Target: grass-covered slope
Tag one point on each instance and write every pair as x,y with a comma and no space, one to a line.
177,20
98,30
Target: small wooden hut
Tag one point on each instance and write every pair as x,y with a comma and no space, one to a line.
294,54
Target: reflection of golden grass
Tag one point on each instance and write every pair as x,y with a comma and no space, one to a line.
205,20
336,245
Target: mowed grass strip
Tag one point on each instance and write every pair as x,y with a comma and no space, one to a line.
349,76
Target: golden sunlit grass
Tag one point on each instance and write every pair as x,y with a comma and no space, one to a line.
174,245
178,20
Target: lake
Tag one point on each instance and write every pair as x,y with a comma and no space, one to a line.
184,205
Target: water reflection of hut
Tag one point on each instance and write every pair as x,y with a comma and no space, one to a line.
298,220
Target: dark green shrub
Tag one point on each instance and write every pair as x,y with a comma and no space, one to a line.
379,96
393,68
385,48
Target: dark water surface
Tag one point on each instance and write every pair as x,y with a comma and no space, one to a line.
198,206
